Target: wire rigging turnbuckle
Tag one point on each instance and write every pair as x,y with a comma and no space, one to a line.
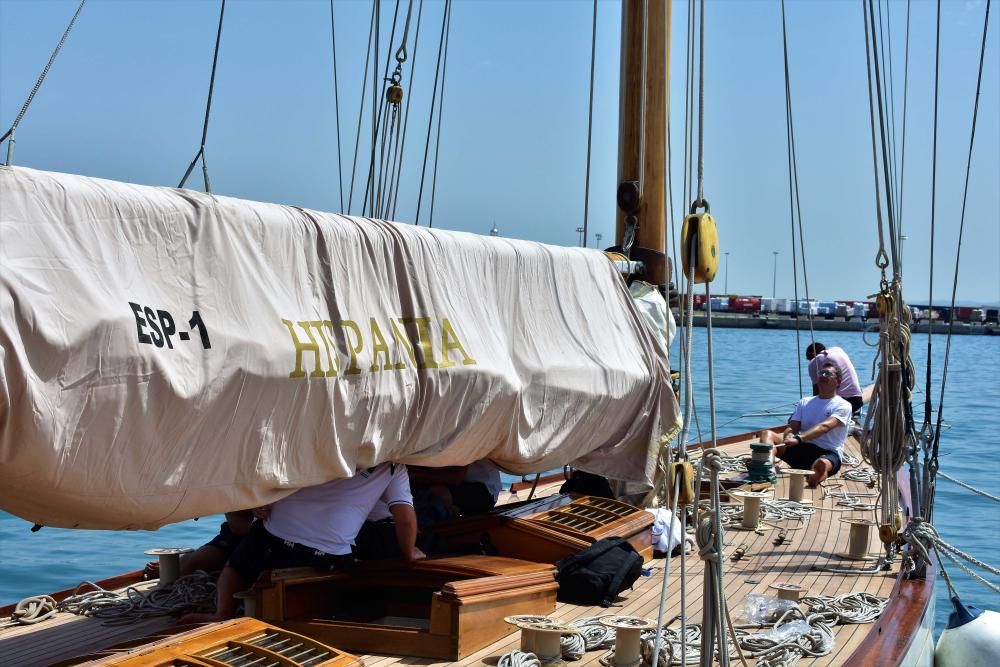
699,229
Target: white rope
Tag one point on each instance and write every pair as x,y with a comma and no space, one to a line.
710,538
519,659
194,592
969,487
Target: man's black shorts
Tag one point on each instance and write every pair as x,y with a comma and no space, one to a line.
803,456
226,541
260,550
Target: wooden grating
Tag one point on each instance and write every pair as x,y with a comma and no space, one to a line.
238,643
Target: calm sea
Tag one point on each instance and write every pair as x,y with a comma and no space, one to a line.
756,373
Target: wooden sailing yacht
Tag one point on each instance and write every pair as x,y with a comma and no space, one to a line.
446,612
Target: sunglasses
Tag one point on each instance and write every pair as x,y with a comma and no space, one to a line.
827,374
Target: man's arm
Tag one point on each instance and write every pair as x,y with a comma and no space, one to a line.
788,435
405,520
819,429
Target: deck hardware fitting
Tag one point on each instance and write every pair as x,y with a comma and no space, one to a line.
249,598
543,638
526,637
627,632
857,544
792,592
796,485
751,508
170,563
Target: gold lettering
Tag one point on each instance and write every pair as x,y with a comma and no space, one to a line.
331,350
301,347
449,341
354,349
423,340
379,346
403,341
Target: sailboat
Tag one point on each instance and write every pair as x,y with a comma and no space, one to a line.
231,325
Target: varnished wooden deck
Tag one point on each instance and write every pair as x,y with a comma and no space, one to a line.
816,542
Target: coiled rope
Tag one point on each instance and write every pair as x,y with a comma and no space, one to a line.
922,536
519,659
194,592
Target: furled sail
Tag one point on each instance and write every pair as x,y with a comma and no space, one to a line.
169,354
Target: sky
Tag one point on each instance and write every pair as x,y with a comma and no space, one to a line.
125,100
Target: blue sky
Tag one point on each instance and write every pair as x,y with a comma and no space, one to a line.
125,100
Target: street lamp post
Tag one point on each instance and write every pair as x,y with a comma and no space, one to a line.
727,272
494,231
598,237
774,276
583,241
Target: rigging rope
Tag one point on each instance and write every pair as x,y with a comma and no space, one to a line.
795,205
985,494
958,253
440,115
406,115
336,106
361,106
590,126
38,84
208,111
445,16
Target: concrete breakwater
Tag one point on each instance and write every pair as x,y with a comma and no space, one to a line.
746,321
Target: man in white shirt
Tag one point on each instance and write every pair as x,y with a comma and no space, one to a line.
316,526
814,439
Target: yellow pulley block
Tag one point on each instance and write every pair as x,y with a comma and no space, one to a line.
686,472
887,532
699,229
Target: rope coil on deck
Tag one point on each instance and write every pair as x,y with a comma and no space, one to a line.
195,592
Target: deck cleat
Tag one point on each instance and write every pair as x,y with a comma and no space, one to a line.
857,541
543,638
796,485
627,635
792,592
526,637
751,508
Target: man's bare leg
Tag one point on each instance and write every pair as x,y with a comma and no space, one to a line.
821,468
230,582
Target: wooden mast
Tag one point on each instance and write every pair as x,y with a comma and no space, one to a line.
642,142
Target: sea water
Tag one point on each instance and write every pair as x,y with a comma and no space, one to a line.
756,381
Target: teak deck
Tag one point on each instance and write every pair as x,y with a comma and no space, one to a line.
817,542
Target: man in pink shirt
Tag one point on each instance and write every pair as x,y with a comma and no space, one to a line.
849,389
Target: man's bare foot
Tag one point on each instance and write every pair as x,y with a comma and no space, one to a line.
821,468
191,619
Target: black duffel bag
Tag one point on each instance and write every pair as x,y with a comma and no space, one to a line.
599,573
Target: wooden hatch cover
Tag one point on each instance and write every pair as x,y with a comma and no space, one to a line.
242,641
445,608
549,529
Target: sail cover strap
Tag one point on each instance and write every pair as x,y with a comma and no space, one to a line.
166,354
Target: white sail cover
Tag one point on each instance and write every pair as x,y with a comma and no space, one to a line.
168,354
